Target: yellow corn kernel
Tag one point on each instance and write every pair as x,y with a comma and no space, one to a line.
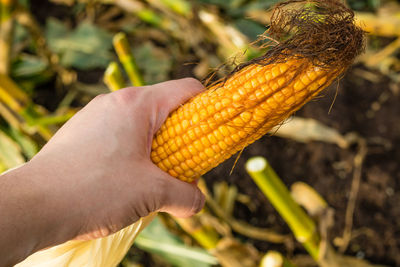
204,165
162,166
242,134
209,152
155,158
197,159
235,137
184,166
179,157
195,118
218,135
222,145
224,130
178,129
228,141
189,173
191,163
205,142
192,150
212,138
165,135
203,156
186,153
198,145
174,161
216,148
173,173
211,109
197,169
178,169
167,163
185,124
275,71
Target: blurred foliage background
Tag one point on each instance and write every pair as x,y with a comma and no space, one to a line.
53,55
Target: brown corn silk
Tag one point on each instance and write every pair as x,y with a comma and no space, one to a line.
318,41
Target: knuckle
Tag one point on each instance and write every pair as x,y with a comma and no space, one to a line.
142,211
128,97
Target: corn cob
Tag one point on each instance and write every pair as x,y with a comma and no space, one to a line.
261,94
227,117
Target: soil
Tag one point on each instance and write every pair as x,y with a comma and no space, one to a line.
376,227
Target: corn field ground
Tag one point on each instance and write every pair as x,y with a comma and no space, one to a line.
344,144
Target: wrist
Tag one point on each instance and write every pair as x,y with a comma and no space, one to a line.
56,216
32,217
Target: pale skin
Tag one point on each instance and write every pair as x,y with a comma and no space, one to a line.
95,176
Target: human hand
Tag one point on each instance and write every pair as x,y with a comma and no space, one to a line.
96,171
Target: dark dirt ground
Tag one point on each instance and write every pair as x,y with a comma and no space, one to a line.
323,166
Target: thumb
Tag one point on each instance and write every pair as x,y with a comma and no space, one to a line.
179,198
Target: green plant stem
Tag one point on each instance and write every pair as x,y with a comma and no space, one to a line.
274,189
113,77
127,59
